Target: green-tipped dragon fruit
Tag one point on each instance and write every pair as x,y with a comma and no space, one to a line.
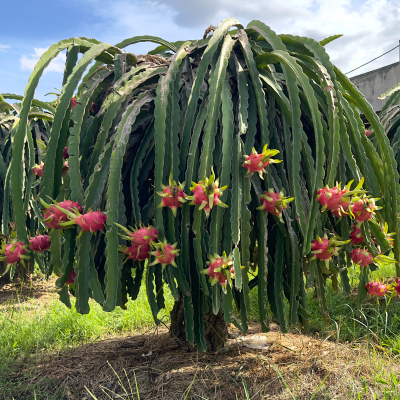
219,269
173,195
206,194
257,162
164,253
274,203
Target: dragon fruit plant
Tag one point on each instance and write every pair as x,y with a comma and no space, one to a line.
189,109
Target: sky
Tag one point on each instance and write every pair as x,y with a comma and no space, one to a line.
369,28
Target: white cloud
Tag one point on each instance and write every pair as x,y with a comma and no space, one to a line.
29,62
4,47
370,27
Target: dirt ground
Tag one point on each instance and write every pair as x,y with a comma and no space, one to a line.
266,365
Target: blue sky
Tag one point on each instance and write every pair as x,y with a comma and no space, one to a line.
370,28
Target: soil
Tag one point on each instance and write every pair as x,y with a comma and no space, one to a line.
282,366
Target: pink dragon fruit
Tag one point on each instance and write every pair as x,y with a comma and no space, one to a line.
335,199
367,132
361,257
274,203
137,253
206,194
173,195
143,236
38,170
324,248
65,153
257,162
65,169
13,252
363,209
73,103
376,288
356,236
220,269
53,217
71,278
165,253
396,287
92,221
39,243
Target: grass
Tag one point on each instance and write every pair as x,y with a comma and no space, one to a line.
27,333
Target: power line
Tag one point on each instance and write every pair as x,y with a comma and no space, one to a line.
374,59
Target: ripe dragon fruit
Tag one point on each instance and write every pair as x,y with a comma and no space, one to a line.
73,103
173,195
65,169
165,253
363,209
38,170
336,200
206,194
361,257
324,248
257,162
356,236
219,269
274,203
367,132
39,243
65,153
53,216
396,287
13,252
137,253
71,278
376,288
92,221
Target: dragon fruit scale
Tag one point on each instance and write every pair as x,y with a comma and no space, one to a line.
165,253
173,195
257,162
206,194
274,203
13,252
396,287
376,289
40,243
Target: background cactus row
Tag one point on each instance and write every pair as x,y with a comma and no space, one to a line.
183,109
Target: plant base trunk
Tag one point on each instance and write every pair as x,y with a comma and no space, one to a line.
215,328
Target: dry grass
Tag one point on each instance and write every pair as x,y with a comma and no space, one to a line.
293,366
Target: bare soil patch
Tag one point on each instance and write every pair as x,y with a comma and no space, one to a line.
166,368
